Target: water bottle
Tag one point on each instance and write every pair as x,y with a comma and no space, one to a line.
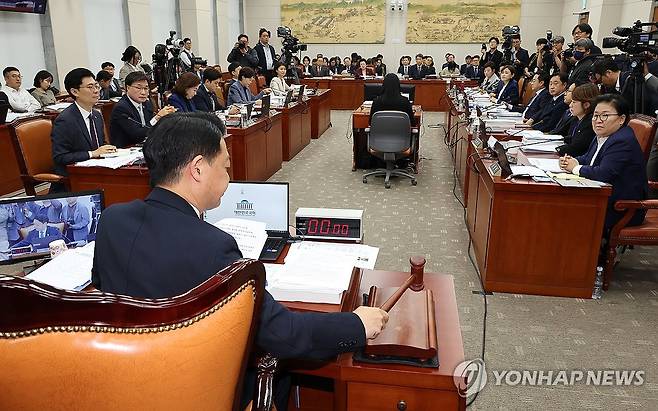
243,116
598,284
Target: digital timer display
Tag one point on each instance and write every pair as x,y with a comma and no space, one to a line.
329,227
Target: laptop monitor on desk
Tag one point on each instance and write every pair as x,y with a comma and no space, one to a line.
288,98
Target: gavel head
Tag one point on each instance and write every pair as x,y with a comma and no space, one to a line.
417,269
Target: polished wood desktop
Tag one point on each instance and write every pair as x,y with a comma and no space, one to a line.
320,112
347,92
296,128
361,158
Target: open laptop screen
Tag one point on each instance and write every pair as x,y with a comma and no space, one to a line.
265,202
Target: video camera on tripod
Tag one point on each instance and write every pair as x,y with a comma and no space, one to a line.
509,32
290,44
166,63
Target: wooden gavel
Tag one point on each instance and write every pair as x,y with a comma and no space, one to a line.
415,282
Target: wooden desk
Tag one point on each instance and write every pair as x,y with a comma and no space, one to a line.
347,92
10,174
256,151
361,387
296,129
320,112
361,158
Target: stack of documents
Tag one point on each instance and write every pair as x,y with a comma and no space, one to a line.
499,125
545,147
123,159
58,106
546,164
250,235
13,116
70,270
527,171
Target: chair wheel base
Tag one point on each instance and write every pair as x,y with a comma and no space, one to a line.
365,181
414,182
387,185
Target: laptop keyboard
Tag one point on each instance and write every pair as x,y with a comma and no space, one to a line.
272,249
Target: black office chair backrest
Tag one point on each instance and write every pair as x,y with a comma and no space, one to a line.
390,132
410,90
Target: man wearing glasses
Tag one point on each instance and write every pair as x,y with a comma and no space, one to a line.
133,115
77,133
20,100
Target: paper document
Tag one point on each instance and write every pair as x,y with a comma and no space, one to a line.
58,106
250,235
527,171
366,256
548,147
13,116
113,162
70,270
546,164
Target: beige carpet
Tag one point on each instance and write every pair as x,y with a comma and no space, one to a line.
523,332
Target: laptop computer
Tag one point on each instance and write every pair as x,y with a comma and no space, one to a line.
4,109
288,98
250,108
300,96
258,201
265,106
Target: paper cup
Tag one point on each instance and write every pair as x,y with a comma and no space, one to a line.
57,247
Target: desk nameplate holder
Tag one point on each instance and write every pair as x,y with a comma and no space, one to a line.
495,169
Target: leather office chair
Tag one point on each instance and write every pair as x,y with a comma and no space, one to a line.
33,149
390,137
74,350
262,83
644,128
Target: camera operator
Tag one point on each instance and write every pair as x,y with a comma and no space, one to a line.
494,55
614,80
520,57
582,54
552,62
243,54
186,54
584,31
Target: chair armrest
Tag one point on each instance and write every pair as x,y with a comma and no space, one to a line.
266,366
367,129
415,130
622,205
653,184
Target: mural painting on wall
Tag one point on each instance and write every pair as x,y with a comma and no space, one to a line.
335,21
459,21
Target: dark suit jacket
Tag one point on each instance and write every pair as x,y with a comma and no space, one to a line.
33,239
550,115
463,68
203,100
577,142
416,74
470,73
510,94
262,62
536,104
566,124
401,70
70,138
581,71
181,103
159,248
496,58
620,162
323,72
524,57
108,93
125,124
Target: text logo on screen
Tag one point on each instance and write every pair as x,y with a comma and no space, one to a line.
244,209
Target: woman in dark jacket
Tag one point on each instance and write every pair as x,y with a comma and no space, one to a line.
183,91
508,90
392,99
578,140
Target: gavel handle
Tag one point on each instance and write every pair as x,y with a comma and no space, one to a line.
392,300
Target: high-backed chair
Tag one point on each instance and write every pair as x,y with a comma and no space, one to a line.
24,231
66,350
33,149
390,138
262,83
644,128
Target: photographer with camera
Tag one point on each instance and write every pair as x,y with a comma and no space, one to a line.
582,54
494,55
520,57
242,53
550,60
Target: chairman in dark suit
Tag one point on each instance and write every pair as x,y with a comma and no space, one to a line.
266,55
418,71
161,247
614,157
474,70
546,119
77,133
319,69
206,97
133,115
41,236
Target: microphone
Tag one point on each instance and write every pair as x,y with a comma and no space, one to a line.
147,125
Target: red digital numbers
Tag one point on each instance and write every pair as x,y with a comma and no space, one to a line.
326,227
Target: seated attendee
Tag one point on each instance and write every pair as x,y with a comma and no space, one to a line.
114,84
508,90
131,58
188,165
451,69
233,68
239,93
538,101
319,69
491,80
380,68
567,122
547,118
20,100
105,82
42,234
581,107
306,62
468,60
77,133
392,99
206,96
418,71
43,91
363,70
450,58
77,218
613,157
334,67
474,71
184,90
403,70
278,84
132,116
615,81
429,64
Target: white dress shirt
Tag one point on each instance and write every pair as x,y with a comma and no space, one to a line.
532,101
21,100
85,117
599,143
140,109
269,58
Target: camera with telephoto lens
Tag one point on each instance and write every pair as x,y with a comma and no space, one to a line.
508,33
549,37
633,40
290,43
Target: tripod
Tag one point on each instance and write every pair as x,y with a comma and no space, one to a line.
636,80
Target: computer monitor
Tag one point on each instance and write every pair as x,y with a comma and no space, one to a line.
250,108
373,90
300,96
258,201
501,154
32,223
265,106
288,98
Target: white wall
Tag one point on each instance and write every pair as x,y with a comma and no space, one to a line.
103,44
228,22
25,30
163,19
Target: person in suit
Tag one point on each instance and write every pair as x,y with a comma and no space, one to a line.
184,90
451,69
319,69
546,119
538,101
474,70
403,70
115,86
239,92
188,161
105,82
242,54
492,55
392,99
306,63
41,236
347,66
233,68
132,116
567,122
77,133
278,85
577,142
520,56
613,157
363,70
77,218
266,55
43,91
467,63
429,65
15,220
607,73
20,100
380,67
334,67
206,96
131,58
450,58
507,90
490,80
418,71
52,209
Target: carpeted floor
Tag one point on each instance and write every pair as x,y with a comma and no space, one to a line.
524,332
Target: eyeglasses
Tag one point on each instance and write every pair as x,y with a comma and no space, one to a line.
141,89
91,87
603,117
